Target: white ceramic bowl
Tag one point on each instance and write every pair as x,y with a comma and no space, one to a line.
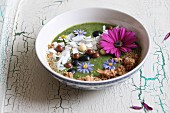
73,17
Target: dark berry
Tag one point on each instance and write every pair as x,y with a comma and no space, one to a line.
96,33
75,62
72,70
84,58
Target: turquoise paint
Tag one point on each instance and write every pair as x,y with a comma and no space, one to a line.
19,33
161,104
160,77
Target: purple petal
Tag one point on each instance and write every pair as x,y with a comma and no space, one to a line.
131,40
107,38
122,32
117,53
167,36
148,108
136,107
112,35
129,36
104,43
131,45
123,49
113,50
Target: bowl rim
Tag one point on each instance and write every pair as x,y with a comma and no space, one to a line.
79,82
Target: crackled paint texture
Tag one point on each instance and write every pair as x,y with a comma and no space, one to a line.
30,88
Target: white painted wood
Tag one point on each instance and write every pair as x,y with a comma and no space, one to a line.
31,89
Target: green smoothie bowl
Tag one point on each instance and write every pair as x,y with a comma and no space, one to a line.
92,48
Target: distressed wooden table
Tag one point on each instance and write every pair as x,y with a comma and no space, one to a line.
26,87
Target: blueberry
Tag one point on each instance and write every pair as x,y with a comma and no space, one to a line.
72,70
96,33
84,58
75,62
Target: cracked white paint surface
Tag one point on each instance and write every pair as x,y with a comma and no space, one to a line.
29,88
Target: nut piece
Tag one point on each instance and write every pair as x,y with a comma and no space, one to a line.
89,78
68,74
50,46
82,47
118,59
102,52
107,74
120,70
129,63
109,27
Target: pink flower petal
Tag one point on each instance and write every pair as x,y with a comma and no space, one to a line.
131,40
122,33
105,44
167,36
107,51
116,31
108,47
123,49
131,45
113,51
129,36
107,38
148,108
117,53
136,107
112,35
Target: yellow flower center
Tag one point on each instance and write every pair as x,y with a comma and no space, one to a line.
63,36
110,64
85,66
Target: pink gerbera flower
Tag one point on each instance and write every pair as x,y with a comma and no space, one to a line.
118,40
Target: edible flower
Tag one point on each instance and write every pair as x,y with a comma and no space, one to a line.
66,38
118,40
109,64
85,67
79,32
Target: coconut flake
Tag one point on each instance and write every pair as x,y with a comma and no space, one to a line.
89,45
78,38
75,50
104,28
55,44
51,51
73,44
